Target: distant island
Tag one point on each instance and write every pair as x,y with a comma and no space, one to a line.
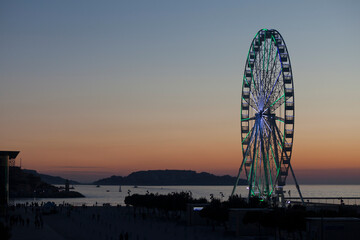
25,184
170,177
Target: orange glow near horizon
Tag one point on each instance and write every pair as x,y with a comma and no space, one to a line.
213,149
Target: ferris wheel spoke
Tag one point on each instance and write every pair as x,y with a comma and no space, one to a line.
264,52
266,131
273,64
281,136
282,140
279,133
257,86
255,102
264,71
271,88
258,68
261,67
277,103
251,131
276,162
270,155
252,102
267,76
264,161
280,119
267,100
269,54
256,160
252,78
258,72
248,119
266,123
252,94
276,150
273,73
248,148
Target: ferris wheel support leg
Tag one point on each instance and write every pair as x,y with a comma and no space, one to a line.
238,177
297,185
243,162
253,161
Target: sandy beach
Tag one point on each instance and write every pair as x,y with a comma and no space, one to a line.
108,223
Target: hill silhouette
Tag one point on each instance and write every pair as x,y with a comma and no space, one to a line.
23,184
48,178
169,177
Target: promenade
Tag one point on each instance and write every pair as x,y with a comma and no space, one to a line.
108,223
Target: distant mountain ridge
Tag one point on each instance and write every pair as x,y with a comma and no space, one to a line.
170,177
48,178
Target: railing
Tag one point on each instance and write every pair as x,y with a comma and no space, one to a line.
327,200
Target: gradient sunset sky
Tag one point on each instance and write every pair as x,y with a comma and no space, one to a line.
90,89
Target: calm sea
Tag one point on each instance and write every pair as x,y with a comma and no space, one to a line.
112,195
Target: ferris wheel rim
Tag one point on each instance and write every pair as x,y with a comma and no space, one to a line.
288,93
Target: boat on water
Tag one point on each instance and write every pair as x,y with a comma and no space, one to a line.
135,186
97,185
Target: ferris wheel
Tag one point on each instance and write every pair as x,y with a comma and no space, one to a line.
267,115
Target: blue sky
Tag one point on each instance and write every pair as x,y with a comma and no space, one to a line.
83,77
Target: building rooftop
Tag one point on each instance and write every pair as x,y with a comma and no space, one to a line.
11,154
